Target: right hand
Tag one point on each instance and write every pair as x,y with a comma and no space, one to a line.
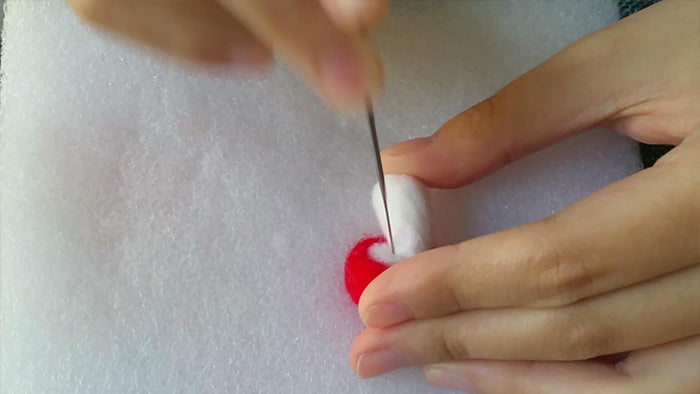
324,40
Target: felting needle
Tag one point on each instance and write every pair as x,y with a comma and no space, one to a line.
380,168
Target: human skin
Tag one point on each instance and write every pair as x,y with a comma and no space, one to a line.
523,310
324,40
526,309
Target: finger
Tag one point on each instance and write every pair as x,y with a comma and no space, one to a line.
343,67
199,31
587,84
599,244
668,368
534,377
615,322
356,15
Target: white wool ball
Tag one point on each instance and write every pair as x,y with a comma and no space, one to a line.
409,213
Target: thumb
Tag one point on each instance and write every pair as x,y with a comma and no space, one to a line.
568,93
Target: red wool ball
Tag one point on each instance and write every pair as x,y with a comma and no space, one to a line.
361,268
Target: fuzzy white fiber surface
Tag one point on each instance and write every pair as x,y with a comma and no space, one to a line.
408,207
166,229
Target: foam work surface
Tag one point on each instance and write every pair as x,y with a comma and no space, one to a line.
172,230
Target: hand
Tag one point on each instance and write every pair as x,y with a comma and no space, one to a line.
616,272
325,40
668,368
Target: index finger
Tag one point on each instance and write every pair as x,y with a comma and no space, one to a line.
599,244
601,79
342,66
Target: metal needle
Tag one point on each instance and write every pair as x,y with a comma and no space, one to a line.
380,168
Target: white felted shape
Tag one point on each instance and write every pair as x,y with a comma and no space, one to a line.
382,252
169,230
409,210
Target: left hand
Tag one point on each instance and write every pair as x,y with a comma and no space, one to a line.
616,272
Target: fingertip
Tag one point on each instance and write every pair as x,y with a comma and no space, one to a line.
406,147
450,158
364,342
370,13
351,68
349,71
433,162
373,353
365,303
409,290
400,158
356,15
379,304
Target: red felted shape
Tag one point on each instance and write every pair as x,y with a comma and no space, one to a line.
361,269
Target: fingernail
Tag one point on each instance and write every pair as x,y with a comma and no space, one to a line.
380,362
382,315
341,71
351,9
407,147
450,380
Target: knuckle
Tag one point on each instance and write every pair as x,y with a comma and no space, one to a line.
485,113
454,278
562,277
452,346
580,336
565,281
458,298
474,124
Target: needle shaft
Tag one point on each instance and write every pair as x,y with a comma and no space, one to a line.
380,168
